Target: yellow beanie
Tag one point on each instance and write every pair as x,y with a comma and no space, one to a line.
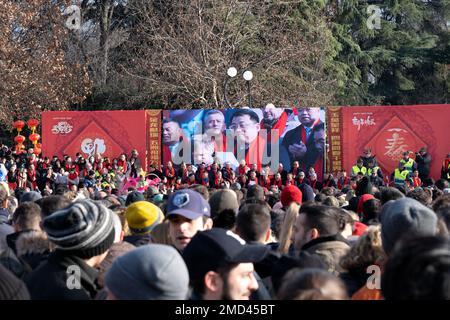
143,216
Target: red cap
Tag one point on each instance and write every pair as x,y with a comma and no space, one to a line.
291,194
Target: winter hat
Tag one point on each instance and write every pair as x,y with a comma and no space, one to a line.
84,228
134,196
291,194
405,217
307,192
188,203
150,272
143,216
361,201
30,196
11,287
223,200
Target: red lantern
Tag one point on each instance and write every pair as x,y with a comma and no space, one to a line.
19,124
39,145
19,139
37,150
34,137
33,123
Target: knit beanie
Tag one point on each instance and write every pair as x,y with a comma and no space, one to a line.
85,228
290,194
11,287
133,197
150,272
143,216
405,217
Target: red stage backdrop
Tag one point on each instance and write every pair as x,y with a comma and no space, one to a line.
388,131
109,133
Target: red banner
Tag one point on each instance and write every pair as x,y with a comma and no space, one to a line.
154,137
334,116
109,133
391,130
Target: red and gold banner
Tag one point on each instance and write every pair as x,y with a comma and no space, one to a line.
391,130
334,134
154,137
108,133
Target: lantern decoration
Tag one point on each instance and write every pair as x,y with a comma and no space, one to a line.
37,151
19,139
32,124
18,125
34,138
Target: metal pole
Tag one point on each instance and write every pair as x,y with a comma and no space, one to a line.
249,95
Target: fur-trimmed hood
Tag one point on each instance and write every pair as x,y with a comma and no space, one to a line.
32,242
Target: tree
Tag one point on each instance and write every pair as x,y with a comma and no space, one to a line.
405,61
37,73
179,51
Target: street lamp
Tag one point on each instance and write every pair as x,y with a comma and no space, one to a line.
248,76
232,73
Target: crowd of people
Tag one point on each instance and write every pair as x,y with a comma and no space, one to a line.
76,229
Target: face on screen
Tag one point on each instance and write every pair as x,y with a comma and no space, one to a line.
272,113
307,115
171,133
214,123
245,128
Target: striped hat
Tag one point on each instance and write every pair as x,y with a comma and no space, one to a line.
143,216
85,228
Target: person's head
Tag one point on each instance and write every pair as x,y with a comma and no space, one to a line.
30,197
245,124
291,194
359,163
171,132
319,138
314,222
406,155
308,115
271,114
220,265
301,175
224,208
253,223
188,212
84,229
51,204
366,251
370,210
150,272
203,190
27,217
142,217
420,195
255,192
419,269
312,284
405,218
214,122
389,193
415,173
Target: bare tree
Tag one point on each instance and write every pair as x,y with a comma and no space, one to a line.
36,72
179,52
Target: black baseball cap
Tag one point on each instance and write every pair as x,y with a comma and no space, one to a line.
215,248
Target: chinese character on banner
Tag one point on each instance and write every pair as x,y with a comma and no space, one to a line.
395,144
361,122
